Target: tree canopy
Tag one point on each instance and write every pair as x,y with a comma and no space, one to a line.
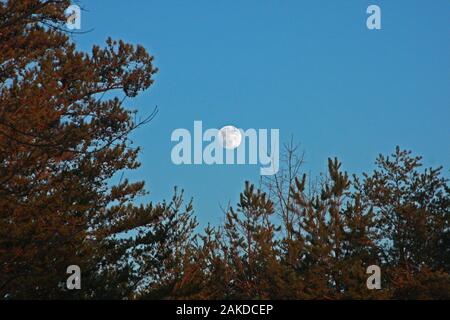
64,137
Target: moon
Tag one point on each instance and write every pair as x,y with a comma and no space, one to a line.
230,137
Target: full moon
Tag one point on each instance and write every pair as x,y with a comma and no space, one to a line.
230,137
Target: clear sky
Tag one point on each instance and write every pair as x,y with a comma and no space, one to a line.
309,68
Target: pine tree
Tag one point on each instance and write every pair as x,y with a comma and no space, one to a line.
61,141
335,238
241,259
412,217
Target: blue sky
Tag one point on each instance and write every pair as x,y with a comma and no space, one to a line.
309,68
